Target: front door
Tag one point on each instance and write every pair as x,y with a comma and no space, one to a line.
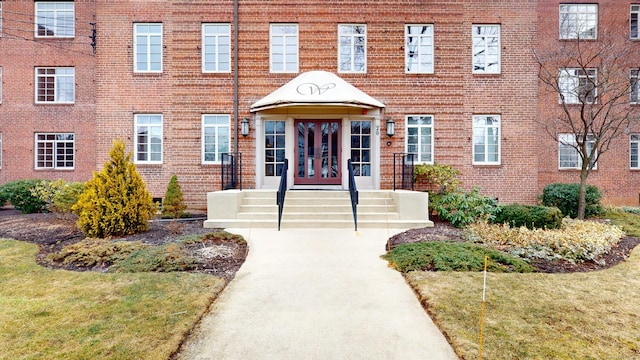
317,152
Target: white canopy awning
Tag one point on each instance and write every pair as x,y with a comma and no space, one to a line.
316,88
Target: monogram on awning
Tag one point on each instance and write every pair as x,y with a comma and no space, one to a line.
317,88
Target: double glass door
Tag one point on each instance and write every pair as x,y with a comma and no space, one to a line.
317,152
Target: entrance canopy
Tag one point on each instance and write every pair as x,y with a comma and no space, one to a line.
317,88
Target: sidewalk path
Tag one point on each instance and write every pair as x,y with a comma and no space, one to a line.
316,294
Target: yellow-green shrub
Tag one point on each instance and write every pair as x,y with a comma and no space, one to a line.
59,195
95,252
576,241
115,201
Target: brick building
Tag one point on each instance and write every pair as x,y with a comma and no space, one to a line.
317,82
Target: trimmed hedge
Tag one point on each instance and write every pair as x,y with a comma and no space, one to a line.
565,198
516,215
20,194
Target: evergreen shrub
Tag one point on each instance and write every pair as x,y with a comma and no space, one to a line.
172,204
565,198
516,215
20,194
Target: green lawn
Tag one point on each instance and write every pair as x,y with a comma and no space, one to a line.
593,315
57,314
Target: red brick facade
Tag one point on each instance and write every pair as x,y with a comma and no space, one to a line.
109,93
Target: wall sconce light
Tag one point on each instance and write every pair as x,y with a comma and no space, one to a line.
244,127
390,127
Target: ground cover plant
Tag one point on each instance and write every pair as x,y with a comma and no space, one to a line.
57,314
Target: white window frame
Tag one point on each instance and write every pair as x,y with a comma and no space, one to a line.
149,36
363,160
63,81
572,82
53,19
575,21
567,146
419,49
285,48
350,38
634,151
422,123
220,122
483,48
50,151
218,33
634,22
481,132
634,83
275,146
150,123
0,18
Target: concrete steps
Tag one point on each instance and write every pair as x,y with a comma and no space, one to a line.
317,209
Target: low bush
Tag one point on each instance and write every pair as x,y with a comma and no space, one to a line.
164,258
516,215
58,195
439,178
628,221
565,198
452,256
95,252
462,208
19,193
576,241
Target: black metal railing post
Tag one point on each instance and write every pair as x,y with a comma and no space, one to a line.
353,194
407,170
282,190
231,170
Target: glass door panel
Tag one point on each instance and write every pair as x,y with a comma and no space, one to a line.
317,152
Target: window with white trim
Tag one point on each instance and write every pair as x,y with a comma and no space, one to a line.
578,85
633,22
568,154
284,48
361,147
55,85
578,21
148,139
418,49
635,86
634,151
352,48
486,49
486,139
215,137
55,19
147,47
274,147
216,48
419,139
55,151
0,18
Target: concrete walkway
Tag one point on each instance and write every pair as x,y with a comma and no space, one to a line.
317,294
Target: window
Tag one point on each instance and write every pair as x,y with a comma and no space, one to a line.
633,151
361,147
55,151
352,48
0,18
147,44
578,21
216,48
486,49
55,85
420,137
578,86
568,155
55,19
633,22
274,147
635,86
486,139
215,137
148,139
418,49
284,48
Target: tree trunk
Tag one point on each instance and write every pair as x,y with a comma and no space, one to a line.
582,194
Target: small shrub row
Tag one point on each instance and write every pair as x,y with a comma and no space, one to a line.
461,208
20,194
452,256
576,241
516,215
58,195
565,198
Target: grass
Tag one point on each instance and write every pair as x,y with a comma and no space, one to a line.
591,315
57,314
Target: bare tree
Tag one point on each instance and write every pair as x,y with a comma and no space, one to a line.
586,87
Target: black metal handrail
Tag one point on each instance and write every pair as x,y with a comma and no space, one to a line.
407,171
353,194
282,190
231,171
